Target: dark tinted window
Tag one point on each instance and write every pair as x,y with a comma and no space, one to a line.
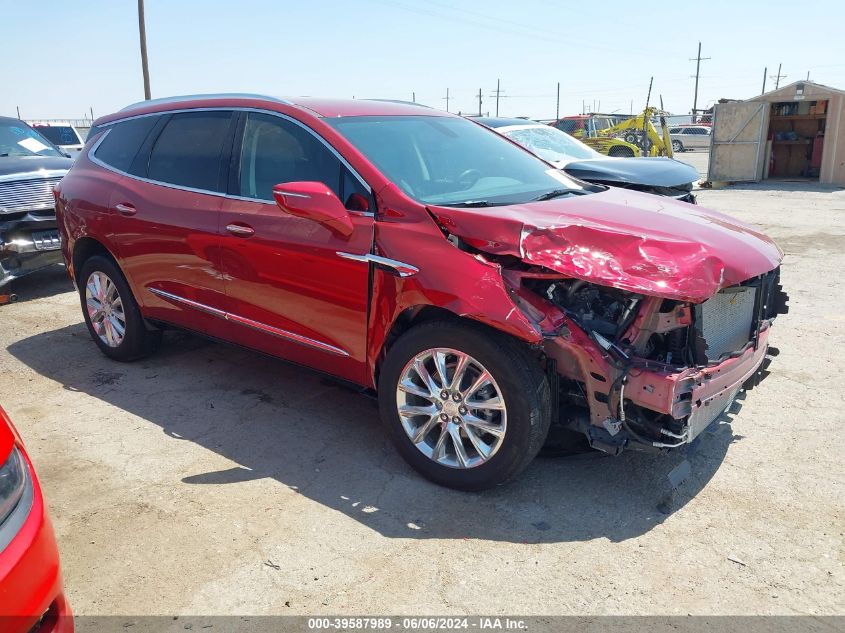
123,141
188,150
59,134
275,150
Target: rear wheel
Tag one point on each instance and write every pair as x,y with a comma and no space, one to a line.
677,146
111,312
467,408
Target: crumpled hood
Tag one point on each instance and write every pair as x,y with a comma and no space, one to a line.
646,244
653,172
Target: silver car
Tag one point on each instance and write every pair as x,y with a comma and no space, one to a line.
689,137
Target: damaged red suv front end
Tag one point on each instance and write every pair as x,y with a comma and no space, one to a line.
654,315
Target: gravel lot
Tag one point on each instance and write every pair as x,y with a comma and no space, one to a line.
209,480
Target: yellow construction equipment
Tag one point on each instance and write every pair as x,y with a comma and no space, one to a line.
640,132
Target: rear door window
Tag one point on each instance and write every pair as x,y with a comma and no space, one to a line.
119,147
189,149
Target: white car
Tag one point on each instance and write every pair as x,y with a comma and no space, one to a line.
65,137
688,137
656,175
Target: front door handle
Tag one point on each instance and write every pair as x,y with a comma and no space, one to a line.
125,209
241,230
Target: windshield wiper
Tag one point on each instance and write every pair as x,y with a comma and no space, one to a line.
470,203
557,193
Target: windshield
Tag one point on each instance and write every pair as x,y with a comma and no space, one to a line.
59,134
451,161
18,139
549,143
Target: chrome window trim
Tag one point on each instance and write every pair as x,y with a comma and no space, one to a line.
402,269
92,152
255,325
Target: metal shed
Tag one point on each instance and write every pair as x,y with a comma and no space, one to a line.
794,133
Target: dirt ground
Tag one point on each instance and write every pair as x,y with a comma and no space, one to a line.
210,480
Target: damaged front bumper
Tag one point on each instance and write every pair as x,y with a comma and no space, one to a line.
651,408
28,242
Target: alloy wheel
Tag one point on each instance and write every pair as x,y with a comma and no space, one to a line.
451,408
105,309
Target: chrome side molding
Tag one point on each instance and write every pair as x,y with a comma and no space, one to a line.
400,268
255,325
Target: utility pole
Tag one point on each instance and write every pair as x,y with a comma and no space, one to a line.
498,86
778,77
92,112
479,102
18,108
557,108
447,99
414,97
808,75
142,30
765,70
698,59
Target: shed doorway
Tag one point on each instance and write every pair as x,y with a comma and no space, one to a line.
795,141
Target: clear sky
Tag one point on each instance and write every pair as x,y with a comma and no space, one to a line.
62,57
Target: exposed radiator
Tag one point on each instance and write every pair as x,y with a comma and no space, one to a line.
726,321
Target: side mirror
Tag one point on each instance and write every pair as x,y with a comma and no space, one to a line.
314,201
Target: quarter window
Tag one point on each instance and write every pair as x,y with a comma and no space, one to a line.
188,150
121,144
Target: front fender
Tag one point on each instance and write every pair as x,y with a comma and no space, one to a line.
448,278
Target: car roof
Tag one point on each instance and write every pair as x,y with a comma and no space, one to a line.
314,106
495,122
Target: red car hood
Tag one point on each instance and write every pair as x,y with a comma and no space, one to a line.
633,241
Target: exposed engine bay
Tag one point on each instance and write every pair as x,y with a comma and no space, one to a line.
647,346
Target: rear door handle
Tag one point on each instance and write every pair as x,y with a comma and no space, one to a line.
241,230
125,209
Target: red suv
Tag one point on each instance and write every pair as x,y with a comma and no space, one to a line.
484,294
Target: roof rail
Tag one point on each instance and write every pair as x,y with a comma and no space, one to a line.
222,95
400,101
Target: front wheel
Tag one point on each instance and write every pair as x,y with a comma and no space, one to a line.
467,408
677,146
111,312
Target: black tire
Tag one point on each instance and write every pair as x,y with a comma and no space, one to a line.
516,371
677,146
138,340
621,152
